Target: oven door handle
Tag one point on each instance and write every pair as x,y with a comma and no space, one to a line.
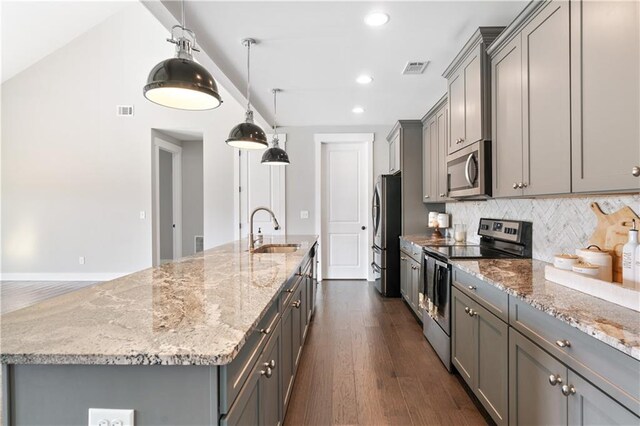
467,172
436,282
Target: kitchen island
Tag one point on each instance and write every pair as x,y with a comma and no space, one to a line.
180,343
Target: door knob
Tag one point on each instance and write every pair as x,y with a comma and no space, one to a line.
635,171
363,227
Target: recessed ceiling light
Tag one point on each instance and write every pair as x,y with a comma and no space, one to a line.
364,79
376,19
357,110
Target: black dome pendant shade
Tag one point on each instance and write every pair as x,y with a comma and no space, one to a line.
275,156
181,82
248,135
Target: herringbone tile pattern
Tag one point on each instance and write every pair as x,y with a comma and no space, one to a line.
559,224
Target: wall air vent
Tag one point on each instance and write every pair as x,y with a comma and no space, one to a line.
199,243
124,110
415,67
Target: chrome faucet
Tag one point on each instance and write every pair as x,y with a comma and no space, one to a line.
276,225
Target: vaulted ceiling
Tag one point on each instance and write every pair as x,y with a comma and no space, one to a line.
314,51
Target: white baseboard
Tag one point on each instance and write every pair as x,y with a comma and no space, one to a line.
55,276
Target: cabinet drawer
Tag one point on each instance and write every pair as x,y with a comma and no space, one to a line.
413,252
611,370
233,376
493,299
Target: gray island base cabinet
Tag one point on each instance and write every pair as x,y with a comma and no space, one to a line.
254,389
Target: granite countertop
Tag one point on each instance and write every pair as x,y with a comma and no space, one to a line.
198,310
424,240
612,324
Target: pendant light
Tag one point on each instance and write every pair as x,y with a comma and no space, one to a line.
248,135
275,156
181,82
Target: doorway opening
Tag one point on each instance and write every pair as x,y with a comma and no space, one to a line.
344,178
177,194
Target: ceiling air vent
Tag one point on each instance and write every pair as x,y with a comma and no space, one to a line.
415,67
125,110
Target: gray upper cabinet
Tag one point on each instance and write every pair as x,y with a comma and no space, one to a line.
506,75
435,183
605,105
468,88
395,159
531,104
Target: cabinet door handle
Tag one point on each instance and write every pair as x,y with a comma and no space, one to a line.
265,330
554,379
520,185
426,196
472,313
524,184
442,195
271,364
296,304
568,390
289,290
268,372
515,185
564,343
472,287
466,310
635,171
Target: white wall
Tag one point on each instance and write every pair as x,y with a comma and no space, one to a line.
75,176
192,194
300,182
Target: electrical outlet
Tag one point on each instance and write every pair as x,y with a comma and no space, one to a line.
81,260
304,214
110,417
143,214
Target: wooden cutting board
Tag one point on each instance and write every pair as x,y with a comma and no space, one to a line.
612,232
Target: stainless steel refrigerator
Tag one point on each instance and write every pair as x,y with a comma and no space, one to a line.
386,210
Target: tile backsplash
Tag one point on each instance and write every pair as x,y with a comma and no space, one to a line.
559,224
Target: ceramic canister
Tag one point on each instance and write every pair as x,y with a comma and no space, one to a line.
595,256
443,220
565,261
587,269
433,219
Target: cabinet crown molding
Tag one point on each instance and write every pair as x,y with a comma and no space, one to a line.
516,26
402,123
482,36
435,108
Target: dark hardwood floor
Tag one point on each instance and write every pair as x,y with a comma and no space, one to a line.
366,362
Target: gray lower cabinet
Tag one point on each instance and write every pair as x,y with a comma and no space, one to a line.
258,402
545,391
287,365
590,406
405,268
534,400
415,287
410,279
479,350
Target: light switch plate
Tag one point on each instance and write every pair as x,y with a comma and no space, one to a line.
304,214
110,417
143,214
81,260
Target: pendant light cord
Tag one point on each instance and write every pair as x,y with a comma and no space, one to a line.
248,75
275,113
183,18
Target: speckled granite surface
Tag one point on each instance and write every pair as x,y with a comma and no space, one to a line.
424,240
195,311
524,278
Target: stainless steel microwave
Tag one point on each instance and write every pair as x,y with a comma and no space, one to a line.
469,171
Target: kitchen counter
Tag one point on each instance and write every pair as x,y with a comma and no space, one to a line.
198,310
612,324
424,240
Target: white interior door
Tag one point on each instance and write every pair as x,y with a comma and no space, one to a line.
261,185
345,181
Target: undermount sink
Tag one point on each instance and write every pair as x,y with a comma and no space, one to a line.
276,248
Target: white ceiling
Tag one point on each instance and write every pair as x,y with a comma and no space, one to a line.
315,50
31,30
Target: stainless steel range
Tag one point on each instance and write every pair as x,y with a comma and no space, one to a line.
499,239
